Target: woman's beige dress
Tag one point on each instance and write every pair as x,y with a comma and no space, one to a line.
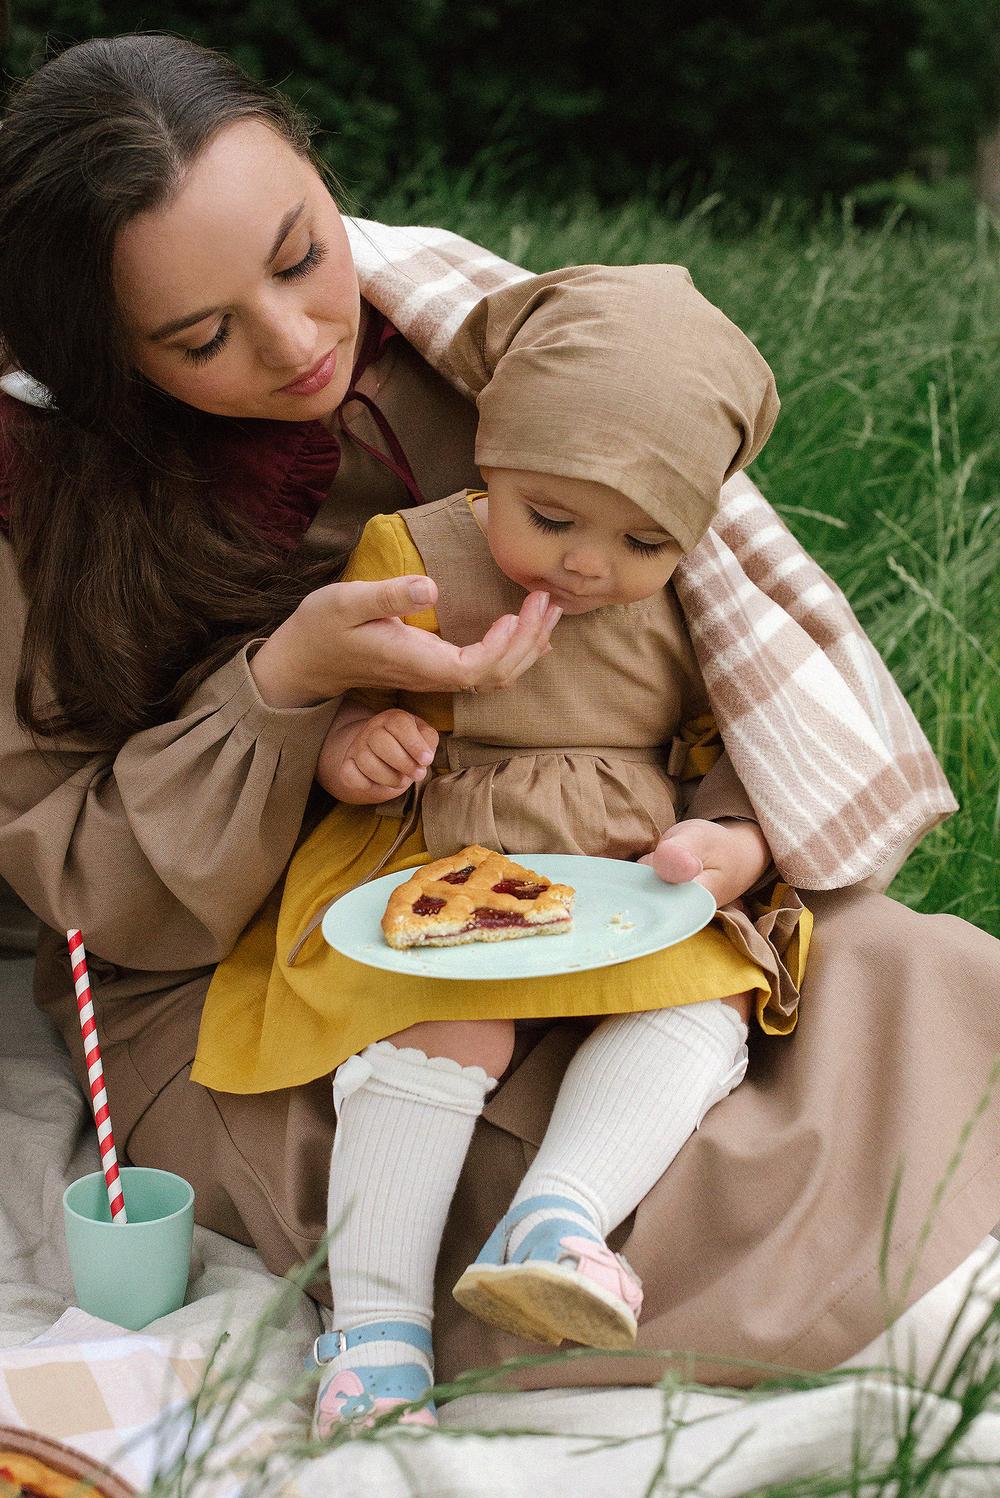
761,1242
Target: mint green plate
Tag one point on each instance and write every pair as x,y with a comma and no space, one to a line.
622,911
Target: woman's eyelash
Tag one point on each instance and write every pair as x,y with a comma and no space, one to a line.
645,548
544,523
309,261
210,349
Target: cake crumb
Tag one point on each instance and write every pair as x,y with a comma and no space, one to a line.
620,919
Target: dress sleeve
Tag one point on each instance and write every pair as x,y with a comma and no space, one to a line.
161,852
712,789
719,793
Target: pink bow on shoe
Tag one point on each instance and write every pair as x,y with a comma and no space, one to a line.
345,1398
609,1271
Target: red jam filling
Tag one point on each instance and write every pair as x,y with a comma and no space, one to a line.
427,905
458,876
484,918
519,889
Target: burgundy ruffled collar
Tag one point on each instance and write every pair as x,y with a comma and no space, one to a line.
278,473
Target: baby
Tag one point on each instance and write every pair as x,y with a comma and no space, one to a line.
603,468
572,758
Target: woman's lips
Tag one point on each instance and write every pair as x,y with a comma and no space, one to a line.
314,379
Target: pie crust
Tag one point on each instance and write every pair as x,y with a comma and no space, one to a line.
475,895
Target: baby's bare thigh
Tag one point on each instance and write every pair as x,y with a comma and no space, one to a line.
488,1043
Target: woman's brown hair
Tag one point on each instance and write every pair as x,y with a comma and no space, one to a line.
140,578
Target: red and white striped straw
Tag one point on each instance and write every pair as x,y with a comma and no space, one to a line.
95,1075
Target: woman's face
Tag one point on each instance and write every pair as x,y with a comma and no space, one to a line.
241,295
582,542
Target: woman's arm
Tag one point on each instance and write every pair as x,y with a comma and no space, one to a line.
162,852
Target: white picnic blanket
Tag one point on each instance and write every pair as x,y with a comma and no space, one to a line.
117,1395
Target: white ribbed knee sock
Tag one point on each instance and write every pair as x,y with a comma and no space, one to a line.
634,1092
404,1127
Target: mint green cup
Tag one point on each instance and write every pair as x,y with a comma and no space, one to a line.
130,1273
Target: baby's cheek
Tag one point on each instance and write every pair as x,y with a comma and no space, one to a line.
518,560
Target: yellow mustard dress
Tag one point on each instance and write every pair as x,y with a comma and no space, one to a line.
269,1023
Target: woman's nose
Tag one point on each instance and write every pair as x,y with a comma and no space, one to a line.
287,341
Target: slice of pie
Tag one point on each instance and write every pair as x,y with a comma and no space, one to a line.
475,895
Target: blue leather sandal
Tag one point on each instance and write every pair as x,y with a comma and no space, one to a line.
561,1283
358,1396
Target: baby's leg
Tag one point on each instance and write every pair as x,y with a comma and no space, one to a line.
405,1116
634,1092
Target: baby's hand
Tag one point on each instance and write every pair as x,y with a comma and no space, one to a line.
727,857
372,760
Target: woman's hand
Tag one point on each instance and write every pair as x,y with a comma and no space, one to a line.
350,635
370,758
727,857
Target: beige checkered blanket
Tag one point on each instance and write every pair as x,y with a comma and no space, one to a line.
120,1396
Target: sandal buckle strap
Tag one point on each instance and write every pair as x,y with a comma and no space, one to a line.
332,1344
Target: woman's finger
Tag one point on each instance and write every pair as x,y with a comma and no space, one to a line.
388,598
528,642
507,650
349,635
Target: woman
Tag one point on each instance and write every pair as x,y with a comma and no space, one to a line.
221,410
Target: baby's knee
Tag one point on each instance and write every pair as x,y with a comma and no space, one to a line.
741,1002
488,1043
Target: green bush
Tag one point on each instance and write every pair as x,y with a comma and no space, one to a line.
786,96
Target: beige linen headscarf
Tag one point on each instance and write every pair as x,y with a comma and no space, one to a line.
628,377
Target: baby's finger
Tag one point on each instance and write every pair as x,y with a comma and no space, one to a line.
379,771
383,742
413,735
429,735
365,792
674,863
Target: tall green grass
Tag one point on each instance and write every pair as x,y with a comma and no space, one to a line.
885,343
237,1428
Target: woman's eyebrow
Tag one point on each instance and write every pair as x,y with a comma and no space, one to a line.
177,324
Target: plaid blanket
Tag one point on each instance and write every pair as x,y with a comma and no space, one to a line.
840,774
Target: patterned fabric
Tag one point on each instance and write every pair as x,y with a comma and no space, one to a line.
102,1391
841,776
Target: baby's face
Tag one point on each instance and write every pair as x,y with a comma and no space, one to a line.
585,544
